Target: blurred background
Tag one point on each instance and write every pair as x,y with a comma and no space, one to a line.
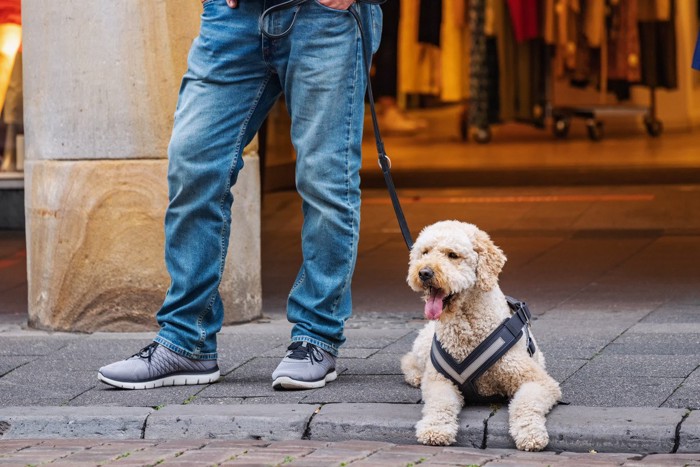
568,129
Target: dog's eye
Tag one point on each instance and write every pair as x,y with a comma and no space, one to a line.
453,255
426,251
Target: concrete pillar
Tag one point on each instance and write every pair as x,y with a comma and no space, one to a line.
101,84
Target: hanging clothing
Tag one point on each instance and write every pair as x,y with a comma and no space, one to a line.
594,22
425,68
10,12
657,40
384,79
522,88
429,22
696,55
623,43
478,74
524,16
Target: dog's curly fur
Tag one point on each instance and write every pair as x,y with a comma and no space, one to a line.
465,264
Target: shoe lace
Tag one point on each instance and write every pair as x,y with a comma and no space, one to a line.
299,351
146,352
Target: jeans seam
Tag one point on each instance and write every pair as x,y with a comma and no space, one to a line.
180,351
296,285
330,348
348,146
224,229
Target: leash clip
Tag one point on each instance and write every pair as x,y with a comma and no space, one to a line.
381,159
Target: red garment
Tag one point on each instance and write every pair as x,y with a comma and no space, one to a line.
524,16
11,11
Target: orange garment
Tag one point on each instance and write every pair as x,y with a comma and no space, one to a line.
11,11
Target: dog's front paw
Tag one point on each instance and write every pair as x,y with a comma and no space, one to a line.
532,439
412,373
436,434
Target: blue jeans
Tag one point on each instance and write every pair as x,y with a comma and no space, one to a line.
234,76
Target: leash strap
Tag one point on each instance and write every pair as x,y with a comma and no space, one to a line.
384,161
463,374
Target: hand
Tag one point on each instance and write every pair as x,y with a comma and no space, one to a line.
337,4
231,3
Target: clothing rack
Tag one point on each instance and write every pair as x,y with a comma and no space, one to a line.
562,116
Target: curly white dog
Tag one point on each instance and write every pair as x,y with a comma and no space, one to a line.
456,266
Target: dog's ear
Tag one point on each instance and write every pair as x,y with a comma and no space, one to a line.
489,263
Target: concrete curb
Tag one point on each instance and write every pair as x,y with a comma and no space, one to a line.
73,422
274,422
571,428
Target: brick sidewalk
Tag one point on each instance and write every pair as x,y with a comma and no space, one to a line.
78,453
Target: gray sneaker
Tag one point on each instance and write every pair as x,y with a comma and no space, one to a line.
305,366
155,366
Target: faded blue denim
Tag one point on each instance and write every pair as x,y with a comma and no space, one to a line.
234,77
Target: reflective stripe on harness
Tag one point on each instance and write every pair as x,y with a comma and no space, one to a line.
464,374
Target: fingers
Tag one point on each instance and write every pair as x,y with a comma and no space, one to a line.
337,4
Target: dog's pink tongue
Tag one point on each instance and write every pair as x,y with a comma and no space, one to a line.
433,305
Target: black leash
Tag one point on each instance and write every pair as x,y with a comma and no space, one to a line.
384,161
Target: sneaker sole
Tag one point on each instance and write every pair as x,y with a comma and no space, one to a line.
285,382
178,380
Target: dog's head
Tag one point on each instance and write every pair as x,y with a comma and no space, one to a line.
451,258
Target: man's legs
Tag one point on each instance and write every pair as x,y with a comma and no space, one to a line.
322,70
225,94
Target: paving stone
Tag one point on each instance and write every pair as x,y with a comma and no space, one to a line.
280,397
571,347
276,352
561,368
235,351
380,364
689,435
656,344
616,429
462,457
356,353
15,346
401,346
655,366
13,393
252,379
373,338
364,444
666,328
612,391
211,456
686,396
7,364
269,422
670,460
73,422
366,388
335,456
674,313
95,353
104,395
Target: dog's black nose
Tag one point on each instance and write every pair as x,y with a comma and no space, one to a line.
426,274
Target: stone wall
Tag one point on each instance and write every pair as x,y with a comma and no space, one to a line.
101,84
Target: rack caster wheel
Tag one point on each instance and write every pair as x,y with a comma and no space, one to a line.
561,127
482,135
595,130
654,127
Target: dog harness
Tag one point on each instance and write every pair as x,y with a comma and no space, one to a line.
464,374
